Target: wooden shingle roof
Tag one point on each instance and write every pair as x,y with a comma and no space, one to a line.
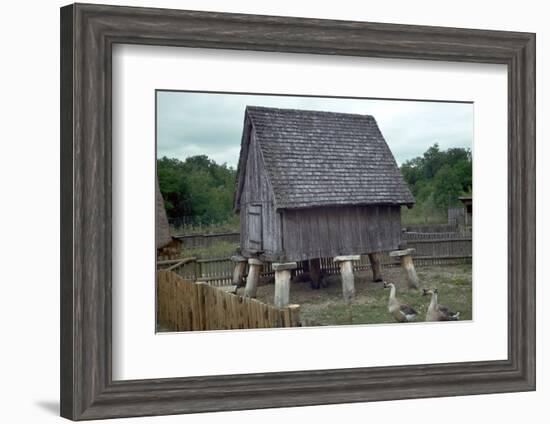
315,158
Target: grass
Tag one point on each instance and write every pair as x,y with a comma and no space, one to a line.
219,249
231,225
326,307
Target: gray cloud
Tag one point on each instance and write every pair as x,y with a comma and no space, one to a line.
211,124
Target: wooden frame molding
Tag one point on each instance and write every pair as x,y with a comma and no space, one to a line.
88,33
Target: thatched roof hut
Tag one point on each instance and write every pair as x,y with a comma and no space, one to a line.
316,184
162,229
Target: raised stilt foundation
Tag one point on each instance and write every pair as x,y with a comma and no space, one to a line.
346,271
407,264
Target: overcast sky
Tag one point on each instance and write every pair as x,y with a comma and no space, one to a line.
211,124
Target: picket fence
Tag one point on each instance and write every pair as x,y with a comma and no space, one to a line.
183,305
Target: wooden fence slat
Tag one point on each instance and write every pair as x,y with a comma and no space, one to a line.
185,306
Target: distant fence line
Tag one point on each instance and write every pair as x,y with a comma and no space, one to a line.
430,228
205,240
218,271
463,233
445,247
410,232
435,232
184,305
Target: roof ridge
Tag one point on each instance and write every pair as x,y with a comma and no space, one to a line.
305,111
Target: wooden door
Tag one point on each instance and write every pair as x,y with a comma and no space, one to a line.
255,239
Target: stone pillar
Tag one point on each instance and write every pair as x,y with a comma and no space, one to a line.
407,264
282,283
315,272
254,268
238,270
374,259
346,271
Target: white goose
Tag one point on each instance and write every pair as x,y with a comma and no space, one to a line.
401,312
437,312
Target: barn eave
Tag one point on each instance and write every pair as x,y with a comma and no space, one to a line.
282,206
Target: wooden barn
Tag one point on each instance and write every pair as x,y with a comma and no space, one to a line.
314,184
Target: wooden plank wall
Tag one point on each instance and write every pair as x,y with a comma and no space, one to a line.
442,247
184,305
332,231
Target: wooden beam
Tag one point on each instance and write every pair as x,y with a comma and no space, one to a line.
282,288
254,268
181,262
346,272
348,282
284,266
282,283
175,261
294,315
407,264
374,259
347,258
315,272
238,270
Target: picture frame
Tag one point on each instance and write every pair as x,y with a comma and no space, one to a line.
88,33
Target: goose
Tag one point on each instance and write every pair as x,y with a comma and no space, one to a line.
400,311
437,312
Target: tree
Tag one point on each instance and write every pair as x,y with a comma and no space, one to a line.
197,187
432,161
438,177
447,187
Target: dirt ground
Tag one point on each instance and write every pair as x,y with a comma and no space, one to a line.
326,306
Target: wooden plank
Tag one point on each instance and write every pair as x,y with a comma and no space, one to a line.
294,315
180,263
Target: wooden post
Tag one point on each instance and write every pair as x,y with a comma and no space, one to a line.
407,264
238,271
374,259
346,271
198,270
254,267
282,283
201,288
294,315
315,272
